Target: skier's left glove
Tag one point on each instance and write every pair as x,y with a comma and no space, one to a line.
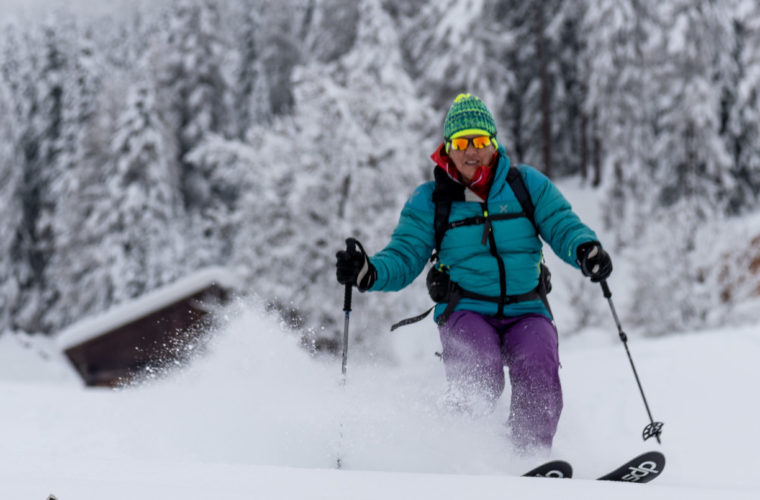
354,267
594,261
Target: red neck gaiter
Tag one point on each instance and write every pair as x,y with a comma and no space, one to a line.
481,181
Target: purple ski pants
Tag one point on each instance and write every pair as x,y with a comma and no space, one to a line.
475,350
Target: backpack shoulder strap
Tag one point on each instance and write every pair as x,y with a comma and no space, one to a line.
518,186
442,211
446,191
517,183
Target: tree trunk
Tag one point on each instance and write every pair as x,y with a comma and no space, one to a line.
597,140
543,65
583,139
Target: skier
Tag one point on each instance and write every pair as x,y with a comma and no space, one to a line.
488,278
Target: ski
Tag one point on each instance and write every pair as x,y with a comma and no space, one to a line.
641,469
555,468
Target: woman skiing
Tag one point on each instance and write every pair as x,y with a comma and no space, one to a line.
481,219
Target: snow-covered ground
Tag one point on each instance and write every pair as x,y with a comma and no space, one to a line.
257,417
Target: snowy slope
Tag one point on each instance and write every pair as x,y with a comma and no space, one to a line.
215,481
258,416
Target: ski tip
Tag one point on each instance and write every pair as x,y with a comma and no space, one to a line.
554,469
641,469
655,455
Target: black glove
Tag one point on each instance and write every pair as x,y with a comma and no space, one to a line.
594,261
354,267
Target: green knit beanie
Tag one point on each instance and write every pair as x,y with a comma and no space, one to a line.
468,115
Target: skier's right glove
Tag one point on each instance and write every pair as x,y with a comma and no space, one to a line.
354,267
594,261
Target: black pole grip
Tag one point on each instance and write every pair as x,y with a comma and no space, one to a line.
606,289
350,247
347,298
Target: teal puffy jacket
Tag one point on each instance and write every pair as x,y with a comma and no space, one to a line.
471,263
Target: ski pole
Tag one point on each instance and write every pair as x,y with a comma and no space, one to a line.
653,428
347,312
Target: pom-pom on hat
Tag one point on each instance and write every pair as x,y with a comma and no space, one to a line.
467,116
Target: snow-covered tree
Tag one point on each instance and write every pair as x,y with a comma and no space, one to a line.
403,10
265,221
49,48
261,134
11,215
692,157
78,186
675,288
252,96
741,120
194,82
620,66
519,110
457,46
125,36
282,37
227,168
689,172
140,249
503,51
342,165
334,29
570,122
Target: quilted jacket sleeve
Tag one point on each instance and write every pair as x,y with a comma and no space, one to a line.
558,225
411,245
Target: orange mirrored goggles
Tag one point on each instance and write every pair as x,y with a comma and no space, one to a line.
479,142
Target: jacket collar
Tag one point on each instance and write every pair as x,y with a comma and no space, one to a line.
493,176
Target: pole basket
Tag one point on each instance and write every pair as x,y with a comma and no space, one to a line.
652,430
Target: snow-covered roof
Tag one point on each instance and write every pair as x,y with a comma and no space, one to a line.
152,301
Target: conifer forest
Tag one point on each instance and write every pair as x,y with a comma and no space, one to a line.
139,145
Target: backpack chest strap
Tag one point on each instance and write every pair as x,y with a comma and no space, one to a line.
485,219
